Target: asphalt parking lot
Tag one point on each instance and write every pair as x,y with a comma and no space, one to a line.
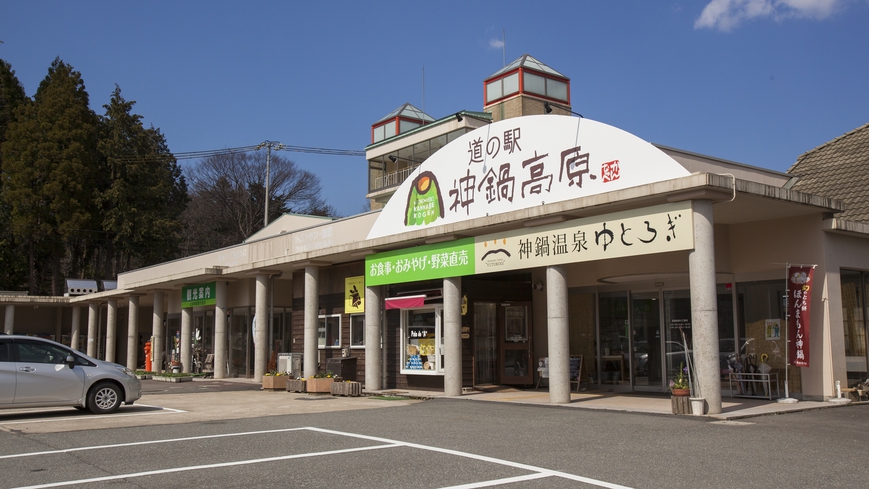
250,437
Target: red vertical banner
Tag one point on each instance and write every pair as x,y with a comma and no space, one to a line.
799,311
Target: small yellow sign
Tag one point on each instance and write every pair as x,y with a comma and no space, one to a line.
354,295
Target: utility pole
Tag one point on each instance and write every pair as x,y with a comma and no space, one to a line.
268,145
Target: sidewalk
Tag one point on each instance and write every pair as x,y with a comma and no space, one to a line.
732,408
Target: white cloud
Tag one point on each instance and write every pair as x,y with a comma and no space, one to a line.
496,43
724,15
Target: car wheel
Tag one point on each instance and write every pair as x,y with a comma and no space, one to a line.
104,398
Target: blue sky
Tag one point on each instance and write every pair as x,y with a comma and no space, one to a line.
754,81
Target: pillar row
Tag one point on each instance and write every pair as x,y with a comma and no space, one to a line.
312,313
704,308
159,334
559,334
133,332
373,328
220,337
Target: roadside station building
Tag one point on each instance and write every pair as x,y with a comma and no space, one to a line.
522,245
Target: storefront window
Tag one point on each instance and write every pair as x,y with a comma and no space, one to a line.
853,320
329,331
762,332
421,338
357,331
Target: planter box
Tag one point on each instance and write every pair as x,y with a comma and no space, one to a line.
352,389
275,382
294,385
680,404
322,386
160,378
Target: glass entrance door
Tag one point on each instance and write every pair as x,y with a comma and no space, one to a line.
515,322
614,326
485,322
645,358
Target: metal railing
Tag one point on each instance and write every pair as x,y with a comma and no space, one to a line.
393,179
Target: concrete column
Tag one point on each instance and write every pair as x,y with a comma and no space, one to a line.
559,334
93,317
58,325
704,308
186,340
75,330
158,347
312,314
8,326
261,347
453,336
220,340
133,332
111,329
373,350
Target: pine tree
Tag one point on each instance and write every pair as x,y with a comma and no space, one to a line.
13,263
50,162
146,192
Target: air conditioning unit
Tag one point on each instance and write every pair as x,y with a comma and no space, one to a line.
80,287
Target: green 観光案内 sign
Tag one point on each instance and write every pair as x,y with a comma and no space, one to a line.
199,295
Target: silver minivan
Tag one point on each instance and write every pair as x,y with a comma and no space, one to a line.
36,372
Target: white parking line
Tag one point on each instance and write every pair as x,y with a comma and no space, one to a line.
202,467
536,472
150,442
159,410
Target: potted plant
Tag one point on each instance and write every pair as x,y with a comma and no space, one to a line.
275,381
320,383
679,385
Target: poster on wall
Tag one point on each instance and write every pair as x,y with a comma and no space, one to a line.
799,312
772,327
354,295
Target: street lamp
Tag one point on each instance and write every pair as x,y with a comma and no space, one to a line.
268,145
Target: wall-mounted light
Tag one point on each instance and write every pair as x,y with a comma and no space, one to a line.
548,109
459,117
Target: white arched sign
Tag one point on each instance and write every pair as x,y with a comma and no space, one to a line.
520,163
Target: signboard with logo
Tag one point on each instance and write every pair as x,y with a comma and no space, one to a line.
520,163
442,260
658,229
199,295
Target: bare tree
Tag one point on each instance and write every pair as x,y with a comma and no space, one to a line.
227,193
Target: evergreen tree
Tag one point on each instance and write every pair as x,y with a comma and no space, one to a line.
145,193
13,263
50,162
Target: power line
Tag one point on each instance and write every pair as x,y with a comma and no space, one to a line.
193,155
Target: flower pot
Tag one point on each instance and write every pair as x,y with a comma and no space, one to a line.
295,385
275,382
319,385
352,389
681,392
698,406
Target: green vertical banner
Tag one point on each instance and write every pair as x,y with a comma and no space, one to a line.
199,295
442,260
